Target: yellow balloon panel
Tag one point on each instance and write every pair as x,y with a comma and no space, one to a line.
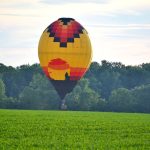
65,50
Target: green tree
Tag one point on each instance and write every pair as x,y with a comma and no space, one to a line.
72,99
39,94
5,102
2,89
16,79
142,96
110,80
88,100
134,76
121,100
82,97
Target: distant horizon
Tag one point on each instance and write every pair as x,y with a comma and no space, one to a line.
91,63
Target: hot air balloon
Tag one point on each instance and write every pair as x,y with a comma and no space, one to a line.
65,54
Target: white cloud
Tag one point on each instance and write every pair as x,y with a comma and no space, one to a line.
118,44
122,26
72,1
22,23
18,56
125,6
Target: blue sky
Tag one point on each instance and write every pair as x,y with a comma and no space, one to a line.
119,29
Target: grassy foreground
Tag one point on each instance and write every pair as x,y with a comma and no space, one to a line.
60,130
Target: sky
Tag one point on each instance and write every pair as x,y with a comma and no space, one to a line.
119,29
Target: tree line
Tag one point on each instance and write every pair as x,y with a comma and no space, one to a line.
107,86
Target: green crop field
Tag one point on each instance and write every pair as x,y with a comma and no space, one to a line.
61,130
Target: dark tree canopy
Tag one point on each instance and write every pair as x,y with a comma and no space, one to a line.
107,86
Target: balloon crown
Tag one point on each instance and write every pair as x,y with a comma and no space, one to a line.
66,20
65,30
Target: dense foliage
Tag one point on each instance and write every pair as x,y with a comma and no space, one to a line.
105,87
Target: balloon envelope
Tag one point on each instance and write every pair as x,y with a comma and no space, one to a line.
64,53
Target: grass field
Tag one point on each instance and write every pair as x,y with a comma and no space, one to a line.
62,130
